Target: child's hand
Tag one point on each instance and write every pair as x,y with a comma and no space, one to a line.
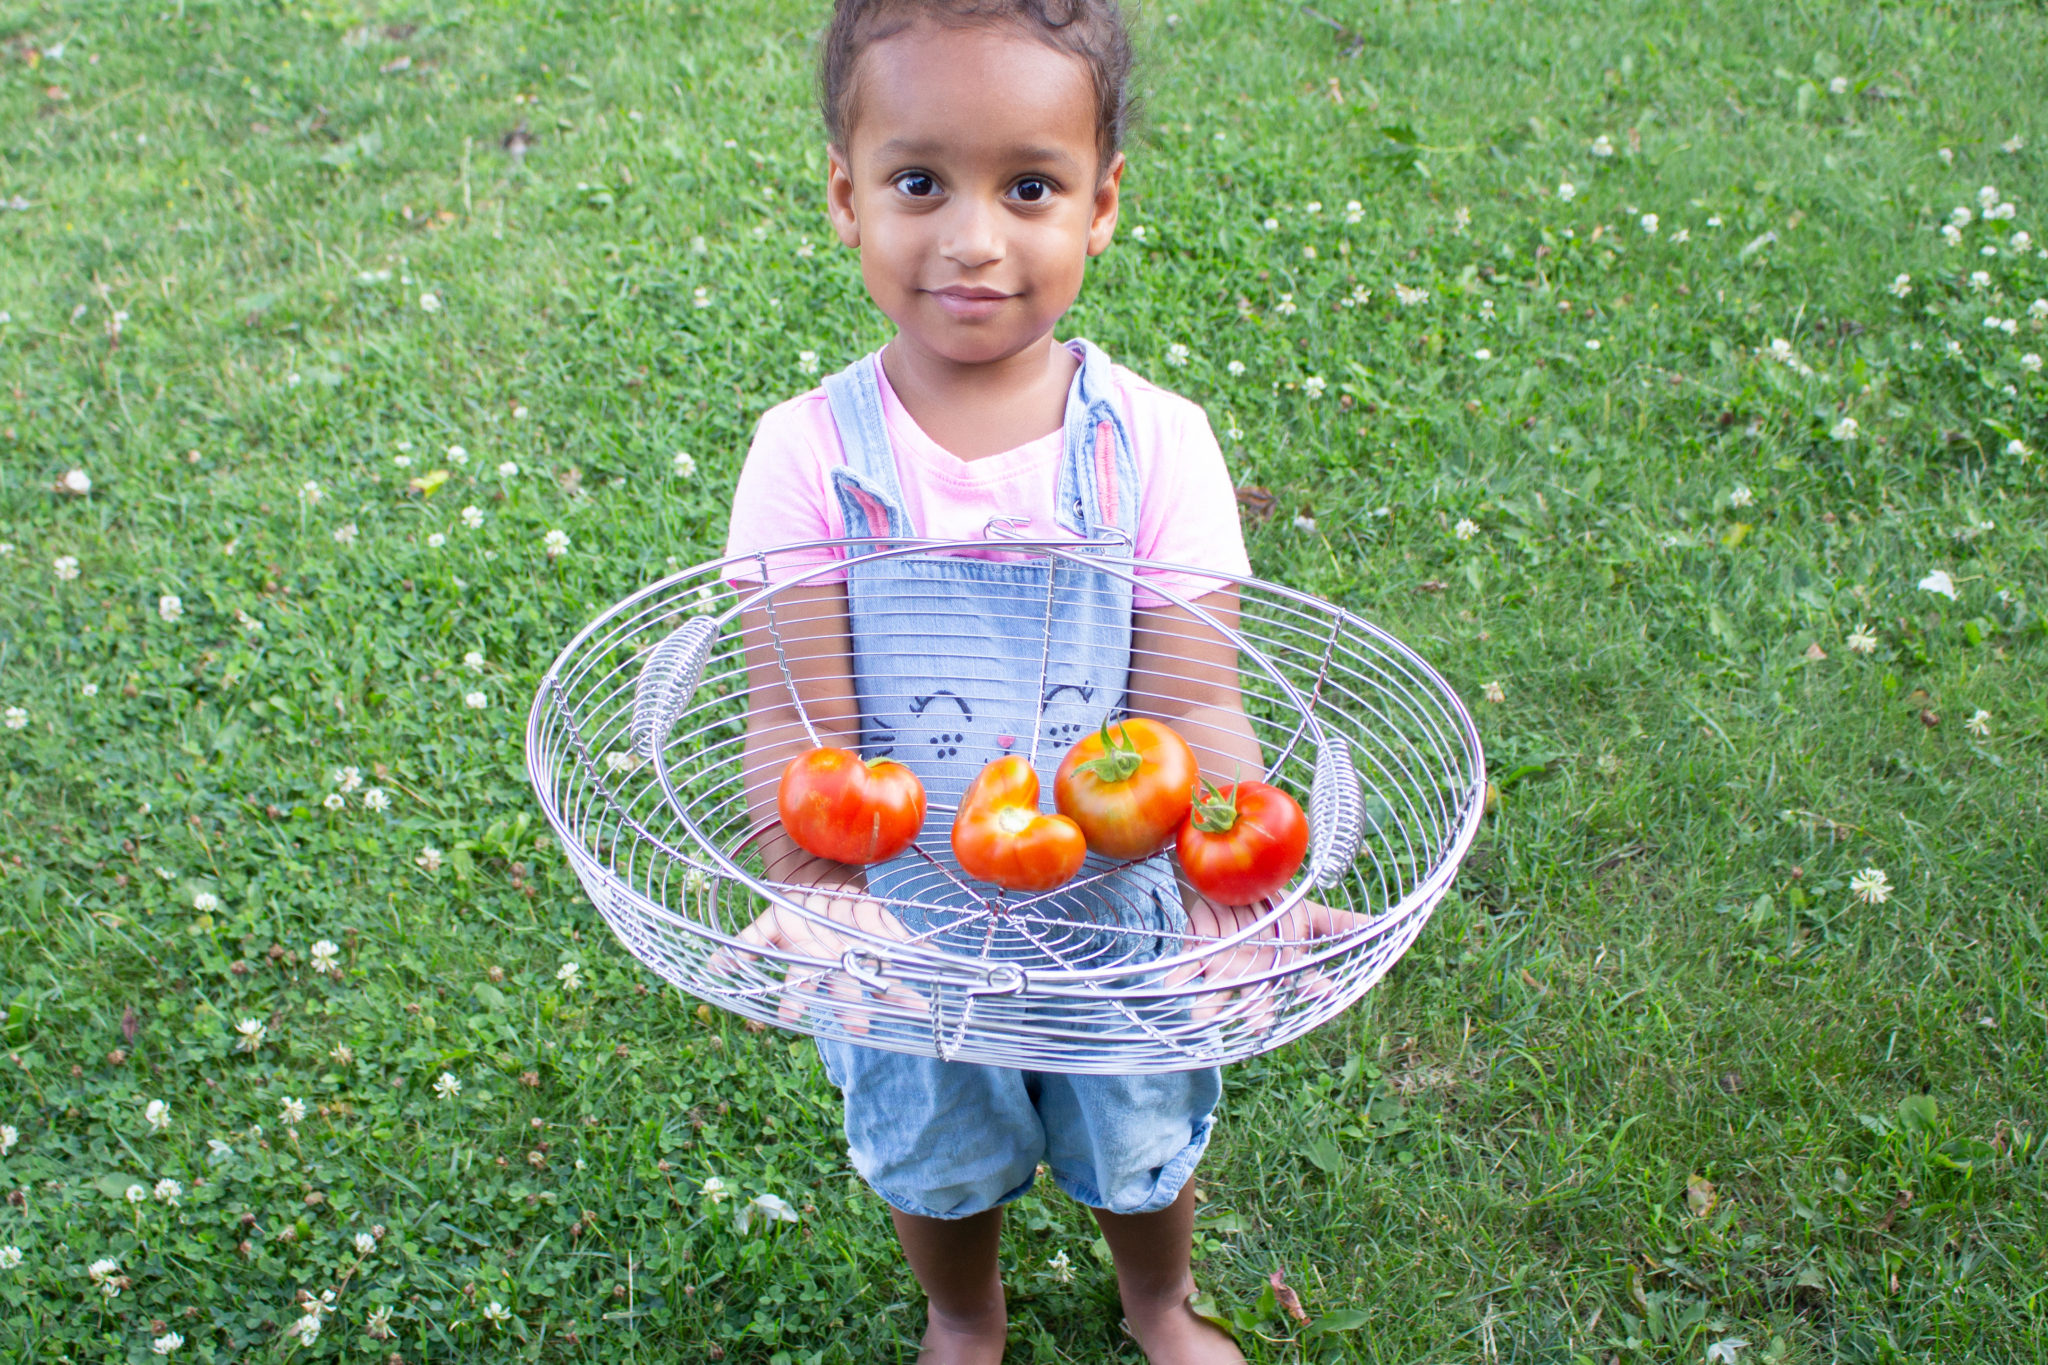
1242,978
836,899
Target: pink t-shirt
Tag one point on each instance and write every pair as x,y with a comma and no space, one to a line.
1187,510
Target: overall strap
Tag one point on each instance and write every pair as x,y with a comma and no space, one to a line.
1098,482
870,498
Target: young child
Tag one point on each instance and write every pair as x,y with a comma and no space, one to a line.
975,165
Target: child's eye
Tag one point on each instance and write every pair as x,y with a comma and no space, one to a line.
1032,190
917,184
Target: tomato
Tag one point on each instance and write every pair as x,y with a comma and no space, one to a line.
1000,835
838,805
1242,842
1128,787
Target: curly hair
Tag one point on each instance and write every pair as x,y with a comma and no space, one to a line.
1092,30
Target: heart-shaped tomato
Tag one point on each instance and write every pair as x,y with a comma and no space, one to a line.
1001,836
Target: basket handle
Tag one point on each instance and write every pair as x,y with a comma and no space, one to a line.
1336,812
668,680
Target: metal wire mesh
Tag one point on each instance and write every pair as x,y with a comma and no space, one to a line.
638,745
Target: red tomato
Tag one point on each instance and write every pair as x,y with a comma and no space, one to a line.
1128,787
1000,836
1241,843
838,805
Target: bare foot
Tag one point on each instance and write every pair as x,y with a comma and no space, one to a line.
1171,1334
963,1341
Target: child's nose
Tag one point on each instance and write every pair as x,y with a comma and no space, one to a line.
973,234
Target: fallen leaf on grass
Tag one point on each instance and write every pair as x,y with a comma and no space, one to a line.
1285,1295
1258,503
1699,1196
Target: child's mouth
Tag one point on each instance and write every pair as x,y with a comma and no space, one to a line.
970,303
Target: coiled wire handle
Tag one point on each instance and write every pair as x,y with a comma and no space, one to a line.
1336,812
668,679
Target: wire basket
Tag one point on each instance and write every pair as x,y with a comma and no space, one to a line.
637,746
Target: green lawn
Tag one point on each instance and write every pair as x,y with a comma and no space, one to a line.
1653,1081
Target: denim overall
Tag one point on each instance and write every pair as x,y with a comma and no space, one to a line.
948,653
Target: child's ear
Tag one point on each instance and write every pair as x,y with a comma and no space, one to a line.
839,197
1102,225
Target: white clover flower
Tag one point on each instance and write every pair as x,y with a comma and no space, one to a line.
714,1189
1948,157
168,1191
247,622
1939,582
1838,86
365,1243
218,1151
555,542
1482,354
1461,218
310,491
334,801
1285,308
1988,196
376,798
1494,692
1177,354
700,297
457,455
497,1314
169,607
1980,279
291,1112
2038,310
1979,723
1950,235
137,1194
1567,191
326,957
473,517
1236,368
804,249
89,690
1951,347
345,534
402,461
1602,146
1681,237
167,1343
1354,212
430,303
1740,496
2022,240
1305,523
1871,886
767,1210
9,1135
76,482
2031,363
807,362
1901,286
1845,430
1271,224
65,567
157,1113
346,778
2018,449
250,1035
10,1257
474,661
1592,343
507,469
16,718
307,1328
475,701
2011,146
1410,297
447,1087
1060,1268
568,975
102,1270
685,465
435,540
1313,386
428,858
1465,529
1960,217
1649,222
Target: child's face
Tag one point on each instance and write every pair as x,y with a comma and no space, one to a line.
970,186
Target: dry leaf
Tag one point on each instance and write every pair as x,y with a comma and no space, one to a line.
1289,1300
1699,1196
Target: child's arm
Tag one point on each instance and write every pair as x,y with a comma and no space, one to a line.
1185,673
811,624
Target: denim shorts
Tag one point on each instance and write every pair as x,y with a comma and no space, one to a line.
953,1139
